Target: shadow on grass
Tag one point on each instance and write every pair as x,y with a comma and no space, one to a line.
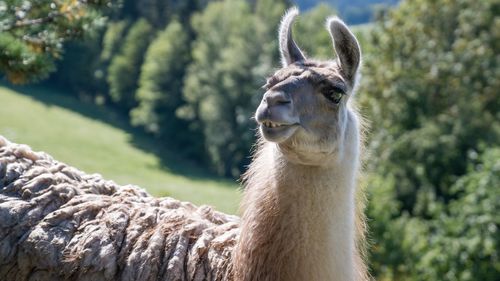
169,160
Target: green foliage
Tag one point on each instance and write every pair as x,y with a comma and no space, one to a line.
461,242
311,33
430,87
352,11
471,230
221,82
268,13
160,89
312,36
124,70
32,34
112,39
160,12
84,69
18,61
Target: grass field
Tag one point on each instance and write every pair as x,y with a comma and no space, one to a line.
96,140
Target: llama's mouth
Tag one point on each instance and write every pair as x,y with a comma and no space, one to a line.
277,132
269,124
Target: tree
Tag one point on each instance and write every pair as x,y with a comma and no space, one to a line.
313,37
268,13
220,85
430,90
160,89
311,32
83,71
32,33
465,240
124,70
160,12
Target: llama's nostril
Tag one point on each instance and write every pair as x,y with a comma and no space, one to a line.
283,102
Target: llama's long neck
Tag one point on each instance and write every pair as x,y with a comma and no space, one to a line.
299,221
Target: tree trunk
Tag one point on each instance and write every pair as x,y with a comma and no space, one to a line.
58,223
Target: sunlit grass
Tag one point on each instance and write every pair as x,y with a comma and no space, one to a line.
82,139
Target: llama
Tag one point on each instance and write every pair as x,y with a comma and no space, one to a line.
299,203
299,220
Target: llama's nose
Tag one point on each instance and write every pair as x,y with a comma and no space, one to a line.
274,98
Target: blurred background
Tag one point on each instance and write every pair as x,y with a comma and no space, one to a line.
160,93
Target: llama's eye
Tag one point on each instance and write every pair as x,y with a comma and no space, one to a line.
334,95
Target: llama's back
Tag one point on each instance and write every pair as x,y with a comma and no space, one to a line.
58,223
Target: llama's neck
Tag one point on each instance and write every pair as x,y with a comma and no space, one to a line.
298,222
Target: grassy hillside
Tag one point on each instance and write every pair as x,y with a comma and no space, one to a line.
97,141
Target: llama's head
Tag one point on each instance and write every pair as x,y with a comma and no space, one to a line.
304,109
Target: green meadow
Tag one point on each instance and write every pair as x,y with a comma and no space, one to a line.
97,140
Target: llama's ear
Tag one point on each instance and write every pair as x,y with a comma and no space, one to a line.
346,46
289,50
